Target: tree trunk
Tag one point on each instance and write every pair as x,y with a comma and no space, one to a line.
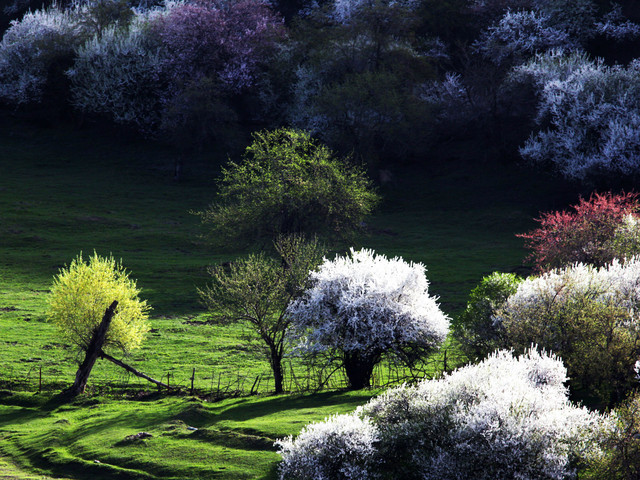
278,375
359,369
138,373
92,353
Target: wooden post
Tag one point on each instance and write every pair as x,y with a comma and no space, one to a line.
40,380
93,352
254,385
193,376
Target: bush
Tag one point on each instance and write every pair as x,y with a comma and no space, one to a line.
505,417
587,316
364,306
597,231
289,183
475,328
340,448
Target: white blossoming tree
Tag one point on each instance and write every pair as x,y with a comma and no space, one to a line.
120,73
33,48
363,306
506,417
590,114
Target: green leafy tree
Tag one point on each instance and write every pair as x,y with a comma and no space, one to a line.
475,328
257,290
96,306
289,183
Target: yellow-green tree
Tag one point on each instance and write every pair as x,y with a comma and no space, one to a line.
96,306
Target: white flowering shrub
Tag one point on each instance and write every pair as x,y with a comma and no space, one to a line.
120,73
506,417
576,17
520,34
349,11
363,306
586,315
615,26
32,47
579,19
340,448
590,116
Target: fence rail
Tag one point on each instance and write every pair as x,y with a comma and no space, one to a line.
218,384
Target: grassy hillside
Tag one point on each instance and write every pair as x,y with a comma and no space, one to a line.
66,191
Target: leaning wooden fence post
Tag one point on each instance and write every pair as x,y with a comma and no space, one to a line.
92,353
254,384
193,376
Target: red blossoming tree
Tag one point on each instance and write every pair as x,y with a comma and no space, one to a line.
595,232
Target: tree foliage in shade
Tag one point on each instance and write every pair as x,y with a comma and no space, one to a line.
364,306
36,50
506,417
214,38
360,67
120,73
256,291
595,232
81,293
288,182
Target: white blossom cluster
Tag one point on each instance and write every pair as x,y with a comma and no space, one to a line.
519,35
121,74
344,11
593,113
506,417
340,448
31,46
367,302
615,284
616,27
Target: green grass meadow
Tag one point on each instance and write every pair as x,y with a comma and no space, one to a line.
66,191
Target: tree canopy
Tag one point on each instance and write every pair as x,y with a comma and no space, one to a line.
287,182
81,293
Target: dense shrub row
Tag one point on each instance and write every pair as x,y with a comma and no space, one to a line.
509,416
